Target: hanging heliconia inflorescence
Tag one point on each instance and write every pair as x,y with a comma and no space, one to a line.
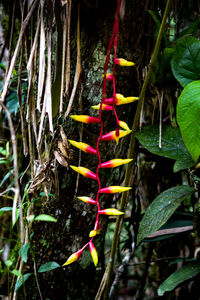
107,104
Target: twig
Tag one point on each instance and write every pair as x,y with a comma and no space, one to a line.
160,121
78,67
121,269
81,139
67,78
11,37
132,147
64,14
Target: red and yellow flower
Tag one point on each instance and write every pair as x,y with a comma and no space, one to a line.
114,189
85,119
83,146
111,136
123,62
93,253
115,162
110,212
84,171
87,200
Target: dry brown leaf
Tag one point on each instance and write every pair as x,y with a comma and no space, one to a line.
64,137
62,149
59,157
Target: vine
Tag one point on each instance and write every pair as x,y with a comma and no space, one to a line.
107,104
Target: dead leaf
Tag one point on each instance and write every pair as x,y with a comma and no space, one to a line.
62,149
59,157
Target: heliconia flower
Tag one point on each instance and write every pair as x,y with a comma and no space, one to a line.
110,212
84,147
123,125
114,189
84,171
93,253
74,256
110,136
115,162
123,62
87,200
92,233
103,107
85,119
120,99
109,76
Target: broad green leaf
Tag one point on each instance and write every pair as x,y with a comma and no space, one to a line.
161,209
188,110
172,145
16,273
51,265
23,252
186,60
44,217
183,164
21,280
186,272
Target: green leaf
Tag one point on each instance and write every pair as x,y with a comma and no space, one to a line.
173,146
51,265
186,60
185,273
161,209
6,208
16,273
21,280
44,217
23,252
188,110
8,263
6,177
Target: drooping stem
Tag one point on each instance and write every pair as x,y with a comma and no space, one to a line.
132,148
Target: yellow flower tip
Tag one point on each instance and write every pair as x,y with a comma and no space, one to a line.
111,212
71,259
123,62
74,168
120,97
73,117
123,125
93,253
95,106
132,98
92,233
117,139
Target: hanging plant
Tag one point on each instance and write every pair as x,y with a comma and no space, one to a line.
107,104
